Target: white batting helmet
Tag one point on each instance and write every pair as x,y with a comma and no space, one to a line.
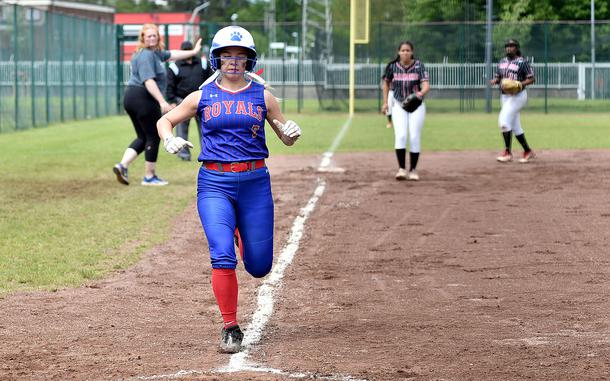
232,36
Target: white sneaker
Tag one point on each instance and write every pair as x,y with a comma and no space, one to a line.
505,157
401,174
527,157
413,176
153,182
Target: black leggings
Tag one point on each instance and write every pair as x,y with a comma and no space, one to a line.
144,112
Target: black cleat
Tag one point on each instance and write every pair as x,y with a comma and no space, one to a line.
231,338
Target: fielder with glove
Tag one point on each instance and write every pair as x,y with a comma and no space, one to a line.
407,79
412,102
234,196
513,74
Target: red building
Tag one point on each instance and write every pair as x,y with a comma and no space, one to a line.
176,25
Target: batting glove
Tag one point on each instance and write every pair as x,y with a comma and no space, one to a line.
174,144
290,131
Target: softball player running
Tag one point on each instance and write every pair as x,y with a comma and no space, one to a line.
404,76
516,68
233,185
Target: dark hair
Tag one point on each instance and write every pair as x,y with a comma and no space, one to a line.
406,42
515,43
186,45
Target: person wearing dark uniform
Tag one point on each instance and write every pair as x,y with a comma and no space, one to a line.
404,76
514,67
144,102
184,77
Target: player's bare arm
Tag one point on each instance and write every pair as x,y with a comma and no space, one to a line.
177,55
386,91
287,130
425,88
165,125
155,92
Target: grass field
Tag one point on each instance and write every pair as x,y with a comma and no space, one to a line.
65,220
76,109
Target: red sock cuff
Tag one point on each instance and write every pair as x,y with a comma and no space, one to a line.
224,284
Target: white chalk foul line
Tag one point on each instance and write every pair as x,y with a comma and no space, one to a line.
178,374
267,290
327,156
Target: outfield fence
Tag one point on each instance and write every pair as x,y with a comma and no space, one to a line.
56,67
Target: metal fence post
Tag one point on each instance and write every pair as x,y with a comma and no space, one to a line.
85,25
119,67
299,67
107,34
62,115
546,67
15,71
46,66
284,79
32,72
74,72
488,47
96,97
379,91
462,67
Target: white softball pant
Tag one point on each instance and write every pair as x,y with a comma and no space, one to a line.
408,124
391,102
509,118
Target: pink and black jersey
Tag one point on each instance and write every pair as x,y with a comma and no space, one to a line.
232,123
517,69
405,80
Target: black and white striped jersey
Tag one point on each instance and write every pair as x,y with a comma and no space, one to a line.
517,69
405,80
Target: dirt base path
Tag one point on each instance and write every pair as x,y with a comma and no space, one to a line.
479,271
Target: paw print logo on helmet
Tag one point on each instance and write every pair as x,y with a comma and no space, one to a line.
236,36
232,36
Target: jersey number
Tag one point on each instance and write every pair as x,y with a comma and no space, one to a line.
255,129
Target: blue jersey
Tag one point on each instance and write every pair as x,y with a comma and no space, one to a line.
232,123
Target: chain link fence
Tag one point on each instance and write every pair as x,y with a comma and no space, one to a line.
567,78
56,67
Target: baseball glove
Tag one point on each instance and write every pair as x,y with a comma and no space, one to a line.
510,86
411,103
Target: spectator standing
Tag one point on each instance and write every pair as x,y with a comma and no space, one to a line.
184,77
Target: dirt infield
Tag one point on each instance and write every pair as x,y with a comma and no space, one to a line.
480,271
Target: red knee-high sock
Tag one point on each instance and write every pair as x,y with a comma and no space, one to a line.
224,284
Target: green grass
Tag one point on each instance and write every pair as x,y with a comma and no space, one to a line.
64,220
478,105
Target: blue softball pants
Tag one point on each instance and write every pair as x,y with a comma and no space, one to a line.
226,200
